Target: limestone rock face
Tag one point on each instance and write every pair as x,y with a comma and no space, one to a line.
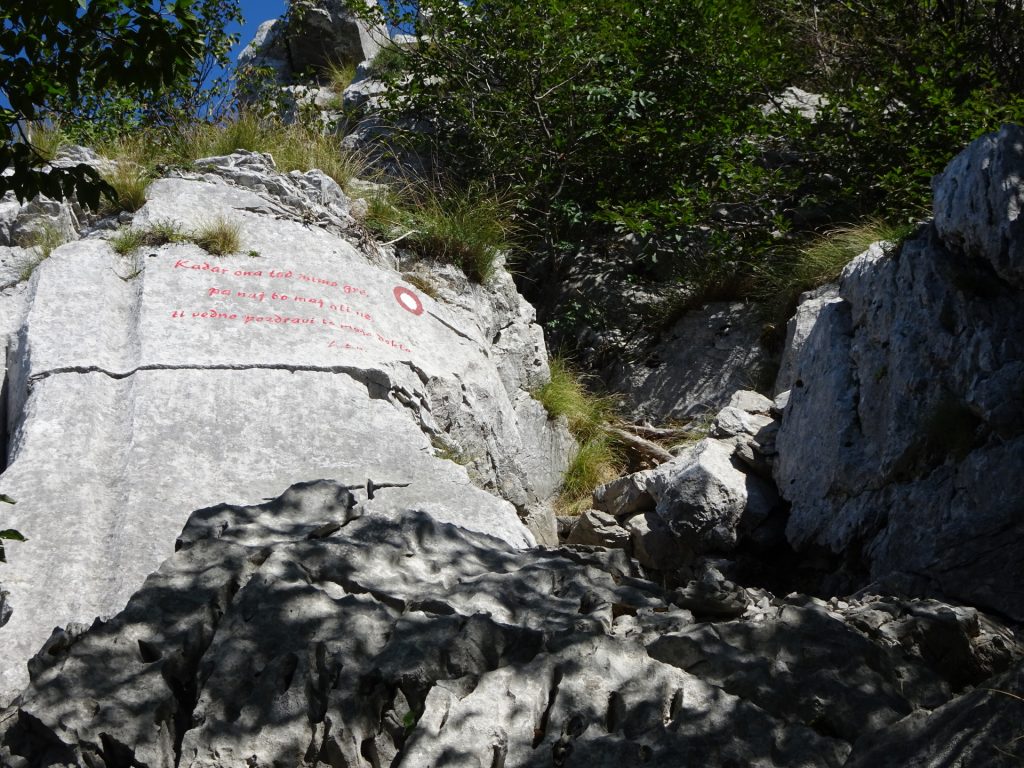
302,631
977,730
143,386
905,421
315,35
978,201
797,330
707,356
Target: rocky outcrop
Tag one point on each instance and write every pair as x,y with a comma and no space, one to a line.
303,631
905,423
712,494
143,385
310,38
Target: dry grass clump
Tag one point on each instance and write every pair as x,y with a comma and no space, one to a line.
219,237
822,261
130,182
161,233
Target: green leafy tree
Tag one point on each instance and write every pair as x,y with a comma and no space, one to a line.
87,58
647,118
102,112
622,113
908,85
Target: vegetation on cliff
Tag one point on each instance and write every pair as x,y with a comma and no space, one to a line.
717,138
674,124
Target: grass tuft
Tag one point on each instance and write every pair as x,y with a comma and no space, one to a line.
822,262
219,237
43,240
160,233
294,147
130,181
47,139
456,227
340,76
597,460
422,283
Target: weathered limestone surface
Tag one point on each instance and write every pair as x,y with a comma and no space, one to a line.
904,431
313,37
797,330
303,631
708,355
143,386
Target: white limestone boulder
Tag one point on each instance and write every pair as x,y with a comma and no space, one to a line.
904,427
141,387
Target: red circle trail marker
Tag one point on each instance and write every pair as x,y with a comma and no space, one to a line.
408,300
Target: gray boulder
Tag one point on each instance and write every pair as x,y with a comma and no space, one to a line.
652,543
703,497
796,100
314,35
906,405
142,386
596,528
703,500
978,201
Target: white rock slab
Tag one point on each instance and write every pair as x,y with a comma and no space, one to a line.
141,387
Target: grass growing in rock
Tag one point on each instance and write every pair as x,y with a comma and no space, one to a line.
47,139
340,76
218,237
130,182
161,233
294,147
822,261
43,240
457,227
597,460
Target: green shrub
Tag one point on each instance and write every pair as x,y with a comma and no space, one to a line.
647,120
389,63
611,113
